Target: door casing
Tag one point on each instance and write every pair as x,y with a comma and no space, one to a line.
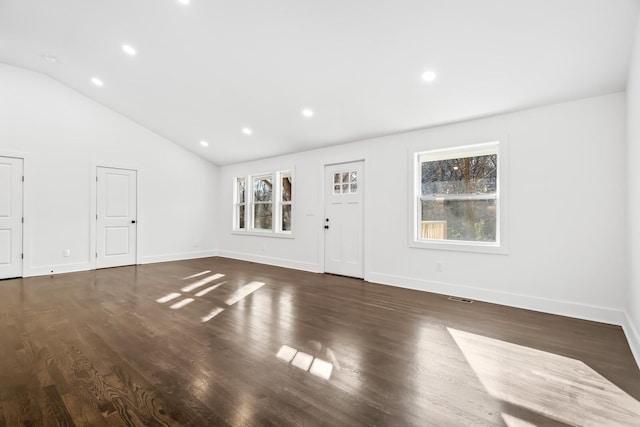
117,221
12,217
347,206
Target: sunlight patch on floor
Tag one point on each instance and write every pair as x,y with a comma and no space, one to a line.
168,297
321,368
557,387
302,361
213,313
286,353
202,282
193,276
306,362
181,304
238,295
244,292
209,289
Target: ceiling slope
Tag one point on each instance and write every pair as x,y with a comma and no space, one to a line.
206,70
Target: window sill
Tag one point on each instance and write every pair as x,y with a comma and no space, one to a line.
477,247
263,234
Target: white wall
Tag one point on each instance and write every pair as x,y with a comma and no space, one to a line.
632,325
567,209
63,135
568,193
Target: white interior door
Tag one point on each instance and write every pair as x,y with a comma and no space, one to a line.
10,217
343,221
116,217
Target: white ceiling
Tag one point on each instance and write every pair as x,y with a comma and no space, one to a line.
206,70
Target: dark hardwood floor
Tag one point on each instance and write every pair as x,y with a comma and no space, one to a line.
269,346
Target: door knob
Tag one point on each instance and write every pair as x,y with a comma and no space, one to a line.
326,227
133,221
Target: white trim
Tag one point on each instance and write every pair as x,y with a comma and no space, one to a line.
633,336
236,205
263,233
279,203
93,209
152,259
15,161
443,197
323,197
278,262
501,246
93,223
250,203
45,270
322,188
13,153
86,266
252,182
482,149
563,308
26,209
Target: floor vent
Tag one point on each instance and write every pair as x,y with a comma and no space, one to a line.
464,300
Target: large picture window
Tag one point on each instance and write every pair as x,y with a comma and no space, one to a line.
264,203
458,196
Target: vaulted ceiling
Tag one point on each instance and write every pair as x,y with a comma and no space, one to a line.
206,70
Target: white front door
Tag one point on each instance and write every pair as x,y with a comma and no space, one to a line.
10,217
116,217
343,220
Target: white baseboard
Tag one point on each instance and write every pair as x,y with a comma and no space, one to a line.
151,259
57,269
86,266
633,337
563,308
278,262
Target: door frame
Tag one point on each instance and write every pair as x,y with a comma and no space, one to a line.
322,216
26,225
93,209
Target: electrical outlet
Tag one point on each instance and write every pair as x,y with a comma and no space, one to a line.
438,267
66,252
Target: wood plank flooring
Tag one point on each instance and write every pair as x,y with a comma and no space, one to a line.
261,345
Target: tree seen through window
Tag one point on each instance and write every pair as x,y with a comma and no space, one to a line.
458,198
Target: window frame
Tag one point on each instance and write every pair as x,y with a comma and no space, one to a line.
498,147
275,203
254,203
237,203
281,203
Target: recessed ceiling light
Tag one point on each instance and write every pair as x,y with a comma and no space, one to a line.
247,131
183,1
49,58
307,112
128,49
429,76
204,143
96,81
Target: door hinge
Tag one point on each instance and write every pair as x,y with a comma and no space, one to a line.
96,216
96,178
21,256
96,254
22,178
23,220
